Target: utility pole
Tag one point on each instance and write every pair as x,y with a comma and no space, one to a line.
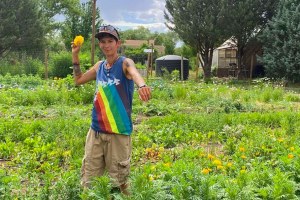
93,32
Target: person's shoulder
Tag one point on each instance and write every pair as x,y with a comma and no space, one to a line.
128,62
97,65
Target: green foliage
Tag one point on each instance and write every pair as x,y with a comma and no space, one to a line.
245,19
137,54
100,189
61,64
222,140
168,39
15,35
20,64
281,38
141,33
192,17
78,22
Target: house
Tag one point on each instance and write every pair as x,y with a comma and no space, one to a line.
138,43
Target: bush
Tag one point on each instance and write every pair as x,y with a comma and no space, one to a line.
18,64
60,64
34,67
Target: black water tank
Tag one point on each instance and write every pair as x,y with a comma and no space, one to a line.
170,63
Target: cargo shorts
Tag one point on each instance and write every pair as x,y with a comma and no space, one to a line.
106,152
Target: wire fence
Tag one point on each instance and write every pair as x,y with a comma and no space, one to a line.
48,64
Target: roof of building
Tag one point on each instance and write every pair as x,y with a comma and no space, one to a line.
170,57
228,44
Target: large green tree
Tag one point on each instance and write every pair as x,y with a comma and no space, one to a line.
245,19
168,40
21,26
53,8
282,42
79,23
27,24
199,24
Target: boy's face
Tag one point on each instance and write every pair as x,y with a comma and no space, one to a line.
109,45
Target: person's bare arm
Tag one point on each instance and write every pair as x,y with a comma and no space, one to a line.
79,77
132,73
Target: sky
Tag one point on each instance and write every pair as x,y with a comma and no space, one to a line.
129,14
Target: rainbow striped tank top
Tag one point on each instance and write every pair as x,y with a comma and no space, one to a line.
113,100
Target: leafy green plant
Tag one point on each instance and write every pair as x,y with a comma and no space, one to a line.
60,65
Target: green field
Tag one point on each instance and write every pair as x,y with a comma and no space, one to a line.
221,140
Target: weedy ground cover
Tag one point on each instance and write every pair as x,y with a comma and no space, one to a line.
193,140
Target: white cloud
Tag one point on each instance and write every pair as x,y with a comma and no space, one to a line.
134,13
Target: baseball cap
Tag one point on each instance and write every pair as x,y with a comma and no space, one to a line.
107,29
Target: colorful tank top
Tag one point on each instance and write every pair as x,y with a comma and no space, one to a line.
113,100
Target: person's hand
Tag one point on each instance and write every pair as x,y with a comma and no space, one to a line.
144,93
75,49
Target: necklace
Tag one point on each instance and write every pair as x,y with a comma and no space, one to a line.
107,69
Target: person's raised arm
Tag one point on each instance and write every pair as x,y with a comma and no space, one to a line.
132,73
79,77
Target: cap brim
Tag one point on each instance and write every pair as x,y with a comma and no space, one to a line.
101,34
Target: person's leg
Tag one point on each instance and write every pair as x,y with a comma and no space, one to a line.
93,164
117,159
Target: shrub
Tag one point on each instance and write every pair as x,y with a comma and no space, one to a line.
60,64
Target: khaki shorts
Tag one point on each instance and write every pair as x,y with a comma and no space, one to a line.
110,152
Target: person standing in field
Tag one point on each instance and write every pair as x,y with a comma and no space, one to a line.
108,142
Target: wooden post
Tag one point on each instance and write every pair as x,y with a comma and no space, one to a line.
151,60
181,67
197,66
93,32
251,67
46,63
148,65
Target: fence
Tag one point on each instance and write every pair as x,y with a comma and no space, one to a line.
48,64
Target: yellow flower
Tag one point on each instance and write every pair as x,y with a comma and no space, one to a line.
280,140
205,171
243,171
229,164
151,178
152,167
243,157
292,148
78,41
202,155
219,167
67,153
217,162
290,156
242,149
210,156
168,164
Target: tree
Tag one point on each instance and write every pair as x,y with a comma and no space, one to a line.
199,24
79,23
245,19
168,40
21,27
281,40
141,33
51,8
25,24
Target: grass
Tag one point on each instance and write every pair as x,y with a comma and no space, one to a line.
220,140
